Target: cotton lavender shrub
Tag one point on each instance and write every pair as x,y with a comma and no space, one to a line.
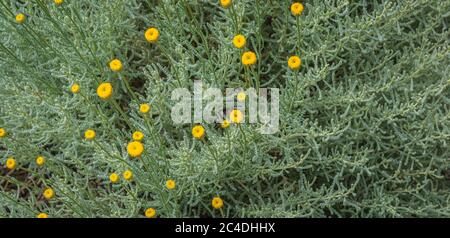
85,108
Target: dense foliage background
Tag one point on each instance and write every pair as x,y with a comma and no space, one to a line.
364,125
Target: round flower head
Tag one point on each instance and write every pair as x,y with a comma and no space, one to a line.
236,116
248,58
2,132
296,9
11,163
198,131
42,215
170,184
49,193
104,90
150,213
89,134
239,41
20,18
114,178
144,108
138,136
40,160
115,65
294,62
241,96
225,124
127,175
58,2
225,3
75,88
217,202
135,149
152,35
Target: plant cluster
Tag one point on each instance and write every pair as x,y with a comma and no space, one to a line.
85,104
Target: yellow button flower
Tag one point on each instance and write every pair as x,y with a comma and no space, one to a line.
2,132
225,124
294,62
127,175
115,65
225,3
296,9
239,41
75,88
89,134
241,96
40,160
170,184
104,90
49,193
150,213
20,18
114,178
58,2
198,131
152,35
144,108
42,215
135,149
248,58
11,163
217,202
236,116
138,136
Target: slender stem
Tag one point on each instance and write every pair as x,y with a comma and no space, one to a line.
130,192
127,85
245,138
124,116
298,33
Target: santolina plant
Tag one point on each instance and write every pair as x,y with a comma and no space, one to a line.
360,90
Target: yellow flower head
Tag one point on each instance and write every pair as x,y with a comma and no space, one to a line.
150,213
20,18
135,149
236,116
239,41
2,132
89,134
296,9
11,163
40,160
225,124
138,136
75,88
248,58
241,96
144,108
104,90
152,35
115,65
127,175
42,215
58,2
170,184
217,202
114,178
49,193
294,62
225,3
198,131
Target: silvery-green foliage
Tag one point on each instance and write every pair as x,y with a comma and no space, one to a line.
364,125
